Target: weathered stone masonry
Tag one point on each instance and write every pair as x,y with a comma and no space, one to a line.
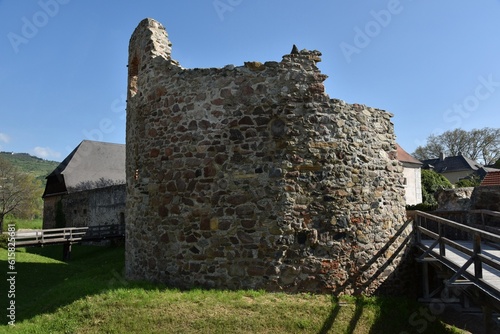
252,177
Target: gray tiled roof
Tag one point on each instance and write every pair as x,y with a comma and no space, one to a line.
452,164
91,164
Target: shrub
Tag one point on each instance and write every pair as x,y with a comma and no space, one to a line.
473,181
431,182
4,240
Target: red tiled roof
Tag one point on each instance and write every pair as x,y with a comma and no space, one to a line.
491,179
404,156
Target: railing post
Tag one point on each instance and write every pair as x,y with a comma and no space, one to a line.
478,266
425,280
416,227
66,251
442,249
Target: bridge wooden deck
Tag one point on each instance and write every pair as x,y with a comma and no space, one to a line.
472,254
491,276
468,257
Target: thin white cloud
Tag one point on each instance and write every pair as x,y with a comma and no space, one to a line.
46,153
4,138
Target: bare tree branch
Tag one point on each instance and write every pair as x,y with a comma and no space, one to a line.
482,145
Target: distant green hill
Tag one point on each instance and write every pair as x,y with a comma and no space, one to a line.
30,164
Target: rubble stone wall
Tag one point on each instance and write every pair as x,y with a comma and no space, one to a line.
252,177
101,206
457,199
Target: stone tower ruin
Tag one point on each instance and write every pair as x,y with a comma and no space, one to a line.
252,177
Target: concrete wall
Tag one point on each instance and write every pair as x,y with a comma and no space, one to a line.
87,208
252,177
413,185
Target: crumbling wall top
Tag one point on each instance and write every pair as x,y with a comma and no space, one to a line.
151,38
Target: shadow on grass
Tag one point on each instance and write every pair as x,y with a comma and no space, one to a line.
329,323
44,283
330,320
392,315
408,316
358,311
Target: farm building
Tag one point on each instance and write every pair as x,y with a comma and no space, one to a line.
87,188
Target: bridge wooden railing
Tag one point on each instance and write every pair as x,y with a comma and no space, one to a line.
485,219
69,235
486,213
436,230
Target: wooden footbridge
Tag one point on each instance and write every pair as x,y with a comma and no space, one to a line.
69,235
465,254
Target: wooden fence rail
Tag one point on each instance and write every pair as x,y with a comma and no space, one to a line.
69,235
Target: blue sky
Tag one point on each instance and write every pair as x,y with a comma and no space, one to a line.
434,64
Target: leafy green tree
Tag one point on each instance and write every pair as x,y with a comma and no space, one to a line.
20,193
472,181
497,164
431,182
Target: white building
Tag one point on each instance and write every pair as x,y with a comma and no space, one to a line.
413,177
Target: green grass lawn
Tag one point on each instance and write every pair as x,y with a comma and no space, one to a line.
90,295
32,224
